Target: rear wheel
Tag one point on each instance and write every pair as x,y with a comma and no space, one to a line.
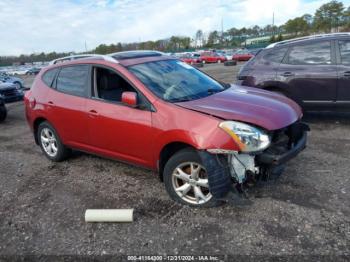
51,144
186,180
3,113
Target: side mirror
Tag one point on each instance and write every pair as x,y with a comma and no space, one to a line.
129,98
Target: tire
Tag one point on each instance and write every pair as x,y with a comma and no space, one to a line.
203,62
219,61
45,130
230,63
18,85
188,161
3,113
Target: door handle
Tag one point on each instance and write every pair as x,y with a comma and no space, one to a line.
288,74
50,103
347,74
93,112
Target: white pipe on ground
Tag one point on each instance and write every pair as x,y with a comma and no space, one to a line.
109,215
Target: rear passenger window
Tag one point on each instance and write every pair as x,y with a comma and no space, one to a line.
276,56
310,54
49,76
73,80
344,47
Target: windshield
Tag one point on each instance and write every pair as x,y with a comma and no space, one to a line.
175,81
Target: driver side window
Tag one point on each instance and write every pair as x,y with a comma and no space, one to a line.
108,85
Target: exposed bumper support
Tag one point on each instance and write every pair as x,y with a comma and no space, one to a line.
272,159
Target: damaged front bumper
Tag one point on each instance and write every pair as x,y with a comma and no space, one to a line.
240,169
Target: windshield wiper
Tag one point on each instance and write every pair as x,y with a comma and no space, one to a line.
213,91
225,85
178,100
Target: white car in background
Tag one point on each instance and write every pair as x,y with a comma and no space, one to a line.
18,71
6,78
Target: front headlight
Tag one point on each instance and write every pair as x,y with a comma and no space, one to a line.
248,138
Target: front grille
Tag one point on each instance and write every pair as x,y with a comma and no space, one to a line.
8,92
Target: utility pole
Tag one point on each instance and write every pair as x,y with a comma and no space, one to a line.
222,31
85,47
273,23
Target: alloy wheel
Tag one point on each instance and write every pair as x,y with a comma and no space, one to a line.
190,182
49,142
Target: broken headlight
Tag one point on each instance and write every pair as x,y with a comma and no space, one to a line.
247,137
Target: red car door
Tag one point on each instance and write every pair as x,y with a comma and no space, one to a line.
212,58
66,104
117,130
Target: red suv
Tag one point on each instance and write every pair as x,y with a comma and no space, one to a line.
206,139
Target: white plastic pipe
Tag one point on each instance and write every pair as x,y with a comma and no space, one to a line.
109,215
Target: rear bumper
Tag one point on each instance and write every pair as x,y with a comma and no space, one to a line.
275,160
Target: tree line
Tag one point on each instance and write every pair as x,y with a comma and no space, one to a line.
330,17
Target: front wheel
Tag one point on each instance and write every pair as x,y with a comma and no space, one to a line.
186,180
51,144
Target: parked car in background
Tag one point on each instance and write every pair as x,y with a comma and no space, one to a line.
229,55
242,55
190,58
17,71
314,71
18,82
204,138
3,110
33,71
255,51
10,92
211,57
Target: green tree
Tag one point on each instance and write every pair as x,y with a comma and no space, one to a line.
279,38
328,16
272,39
296,26
199,38
213,39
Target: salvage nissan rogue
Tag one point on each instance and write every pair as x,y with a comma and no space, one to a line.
207,140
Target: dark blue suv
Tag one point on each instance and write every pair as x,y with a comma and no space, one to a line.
10,93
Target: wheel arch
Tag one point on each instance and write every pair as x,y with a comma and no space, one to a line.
36,124
167,151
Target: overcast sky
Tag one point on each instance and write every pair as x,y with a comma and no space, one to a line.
65,25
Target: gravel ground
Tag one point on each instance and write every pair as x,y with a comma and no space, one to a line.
306,212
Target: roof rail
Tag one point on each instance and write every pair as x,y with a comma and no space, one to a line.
306,38
84,56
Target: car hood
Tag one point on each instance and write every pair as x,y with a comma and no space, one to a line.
14,79
6,85
251,105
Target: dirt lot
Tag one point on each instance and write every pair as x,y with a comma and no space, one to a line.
305,212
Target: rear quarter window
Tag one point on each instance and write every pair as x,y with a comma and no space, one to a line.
276,56
73,80
344,46
49,76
